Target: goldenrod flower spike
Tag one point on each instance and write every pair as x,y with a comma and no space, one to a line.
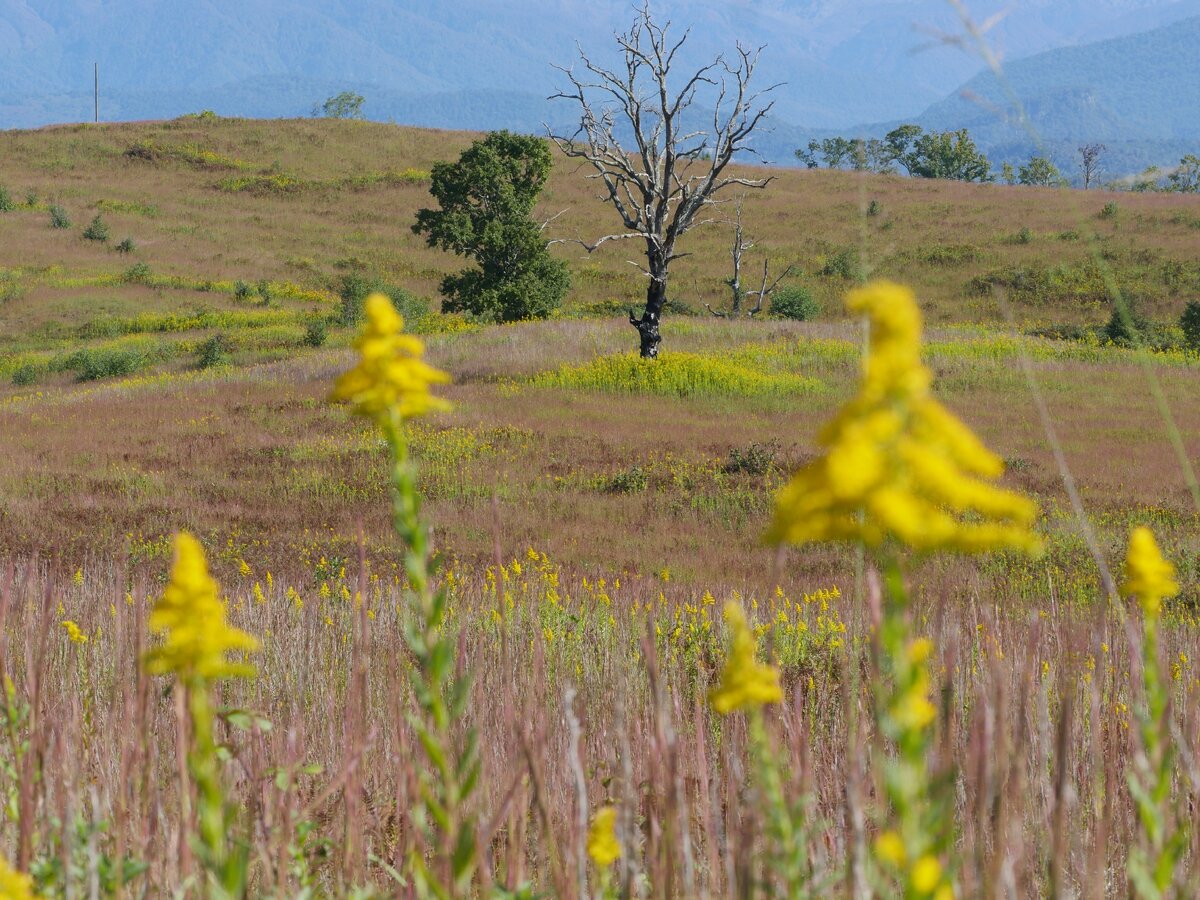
390,375
1148,575
602,844
745,682
897,464
192,617
14,885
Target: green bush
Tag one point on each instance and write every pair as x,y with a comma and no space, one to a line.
264,291
1124,327
1189,323
1110,210
126,246
97,230
24,375
91,364
316,333
59,217
874,208
241,290
136,272
794,302
633,480
31,199
6,200
1024,236
844,263
215,351
757,459
357,287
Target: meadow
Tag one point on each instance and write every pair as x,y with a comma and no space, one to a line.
592,518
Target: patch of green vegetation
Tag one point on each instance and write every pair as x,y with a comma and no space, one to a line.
129,207
677,375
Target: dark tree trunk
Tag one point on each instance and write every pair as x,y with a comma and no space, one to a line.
647,325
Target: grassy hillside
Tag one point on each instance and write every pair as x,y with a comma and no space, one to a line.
297,205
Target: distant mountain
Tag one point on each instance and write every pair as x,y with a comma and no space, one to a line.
422,61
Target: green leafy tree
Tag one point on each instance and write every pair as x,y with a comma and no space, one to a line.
949,154
1186,178
1008,174
346,105
486,200
899,143
859,154
1040,171
1189,322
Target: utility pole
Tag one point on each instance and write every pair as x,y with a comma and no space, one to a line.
96,85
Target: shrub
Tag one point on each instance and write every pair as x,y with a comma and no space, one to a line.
6,200
757,459
59,217
844,263
126,246
1124,327
1024,236
795,302
1189,323
241,290
316,333
633,480
1110,210
136,272
31,198
874,208
97,230
214,351
264,291
108,362
357,287
24,375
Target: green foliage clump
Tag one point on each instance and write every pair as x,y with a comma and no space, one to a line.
214,351
6,200
633,480
24,375
1040,171
844,263
795,302
59,217
1189,323
137,272
316,333
97,230
938,154
94,363
757,459
357,287
241,290
677,375
1124,327
126,246
1110,210
345,105
264,291
486,201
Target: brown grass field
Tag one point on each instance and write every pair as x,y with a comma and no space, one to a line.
640,502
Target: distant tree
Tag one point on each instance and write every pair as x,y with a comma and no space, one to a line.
1186,178
936,154
673,171
1149,181
1008,174
1189,322
1040,171
346,105
859,154
1089,158
486,200
738,293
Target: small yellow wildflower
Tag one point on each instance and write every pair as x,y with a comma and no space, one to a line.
74,632
926,874
14,885
1148,576
390,375
745,682
897,464
192,617
78,577
602,844
889,847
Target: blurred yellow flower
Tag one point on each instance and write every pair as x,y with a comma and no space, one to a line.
745,682
602,844
74,633
192,617
390,375
1148,576
897,464
14,885
889,848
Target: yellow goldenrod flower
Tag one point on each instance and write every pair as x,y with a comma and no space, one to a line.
745,682
192,617
889,847
78,577
14,885
602,844
897,464
926,874
390,374
1148,576
74,632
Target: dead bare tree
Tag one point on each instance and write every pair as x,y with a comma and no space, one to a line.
669,174
1089,155
737,294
